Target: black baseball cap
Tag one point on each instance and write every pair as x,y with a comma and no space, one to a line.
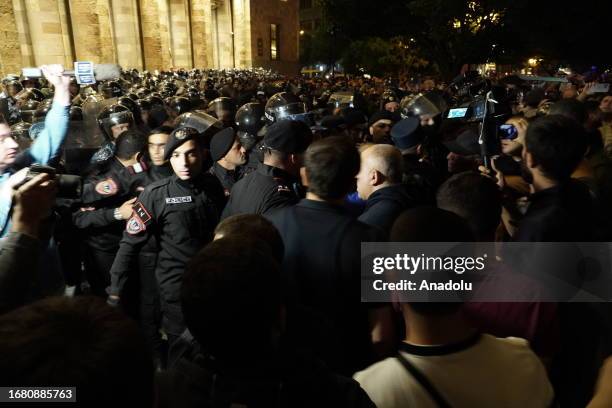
404,133
221,143
288,136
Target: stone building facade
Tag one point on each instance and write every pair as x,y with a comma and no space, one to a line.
150,34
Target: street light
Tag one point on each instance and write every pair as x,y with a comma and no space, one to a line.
301,32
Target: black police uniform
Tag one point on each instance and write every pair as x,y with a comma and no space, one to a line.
182,215
226,177
150,308
100,230
157,173
265,189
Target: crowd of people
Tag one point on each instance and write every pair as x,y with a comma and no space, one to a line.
208,253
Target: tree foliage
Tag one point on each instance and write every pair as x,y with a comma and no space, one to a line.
450,33
377,56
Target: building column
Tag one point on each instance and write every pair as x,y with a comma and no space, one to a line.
10,50
108,52
127,37
45,21
87,32
181,37
201,33
222,34
155,34
242,33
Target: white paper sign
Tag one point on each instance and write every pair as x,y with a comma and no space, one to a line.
84,72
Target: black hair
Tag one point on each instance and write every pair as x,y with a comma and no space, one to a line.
232,287
161,129
331,166
255,226
475,198
428,224
129,143
557,143
77,342
157,116
571,108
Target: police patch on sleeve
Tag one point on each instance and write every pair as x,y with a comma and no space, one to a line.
107,187
141,212
135,225
282,187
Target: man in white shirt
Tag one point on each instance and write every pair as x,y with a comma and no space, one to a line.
443,362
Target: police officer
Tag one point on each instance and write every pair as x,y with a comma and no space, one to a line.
250,120
107,203
275,182
228,154
150,313
159,168
224,109
113,120
182,212
380,127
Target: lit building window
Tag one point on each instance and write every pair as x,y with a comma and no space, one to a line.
274,51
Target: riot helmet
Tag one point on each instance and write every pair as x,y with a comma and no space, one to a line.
419,105
285,105
223,108
13,88
144,105
113,115
155,100
41,111
20,132
178,105
111,89
76,113
142,93
206,125
132,106
250,118
27,109
29,94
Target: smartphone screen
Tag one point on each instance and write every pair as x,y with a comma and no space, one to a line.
508,132
457,113
599,88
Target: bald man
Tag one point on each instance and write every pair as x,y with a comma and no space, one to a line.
379,182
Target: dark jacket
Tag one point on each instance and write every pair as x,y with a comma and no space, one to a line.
423,177
263,190
322,269
564,213
287,380
226,177
19,261
102,194
182,215
385,205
